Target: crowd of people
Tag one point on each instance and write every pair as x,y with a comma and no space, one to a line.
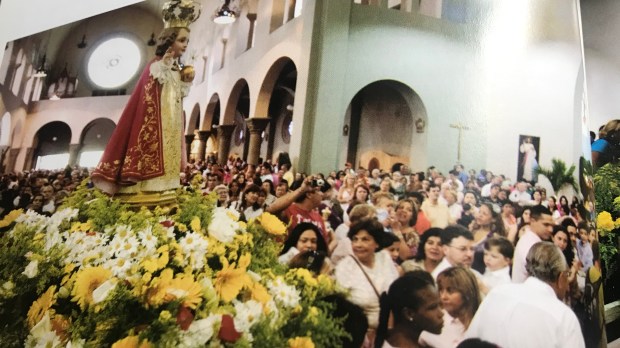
424,249
460,235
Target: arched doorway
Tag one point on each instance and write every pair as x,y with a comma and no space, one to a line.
93,141
380,126
193,125
240,137
277,100
51,146
210,123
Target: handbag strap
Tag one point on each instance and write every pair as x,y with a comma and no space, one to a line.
367,276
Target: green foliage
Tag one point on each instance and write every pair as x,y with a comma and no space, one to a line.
607,193
607,189
558,174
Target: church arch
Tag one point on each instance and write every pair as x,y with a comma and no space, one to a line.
276,100
51,146
93,140
194,120
237,111
380,126
211,120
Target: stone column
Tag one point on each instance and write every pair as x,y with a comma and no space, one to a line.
189,138
224,137
203,136
252,18
10,166
73,154
256,127
29,158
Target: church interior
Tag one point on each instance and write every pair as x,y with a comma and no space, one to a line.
311,78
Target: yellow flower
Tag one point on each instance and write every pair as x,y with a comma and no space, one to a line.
185,288
604,221
86,281
163,259
182,227
149,265
195,224
165,315
156,293
300,342
132,342
313,314
10,217
307,276
41,306
230,280
272,224
260,294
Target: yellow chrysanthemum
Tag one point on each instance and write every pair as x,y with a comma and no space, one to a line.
41,306
307,276
272,224
86,281
182,227
185,288
132,342
230,280
149,265
10,217
604,221
163,260
195,224
300,342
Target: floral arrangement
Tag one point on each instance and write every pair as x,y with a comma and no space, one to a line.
607,193
97,274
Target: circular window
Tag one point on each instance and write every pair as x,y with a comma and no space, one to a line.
114,62
287,129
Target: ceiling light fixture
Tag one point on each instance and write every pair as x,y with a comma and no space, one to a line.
225,14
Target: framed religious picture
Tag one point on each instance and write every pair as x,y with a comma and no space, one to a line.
529,149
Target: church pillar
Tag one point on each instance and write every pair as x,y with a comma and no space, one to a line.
29,158
73,154
203,136
189,138
224,137
252,18
256,126
10,166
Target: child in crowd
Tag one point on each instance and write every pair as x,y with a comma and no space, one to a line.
498,253
392,243
584,248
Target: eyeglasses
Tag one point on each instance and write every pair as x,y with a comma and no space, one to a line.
463,248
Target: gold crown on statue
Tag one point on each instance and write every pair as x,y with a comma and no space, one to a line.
180,13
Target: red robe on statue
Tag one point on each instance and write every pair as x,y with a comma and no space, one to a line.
135,151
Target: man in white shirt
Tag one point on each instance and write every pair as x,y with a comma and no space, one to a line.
531,314
540,228
520,195
458,249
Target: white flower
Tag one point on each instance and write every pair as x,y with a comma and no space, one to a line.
222,226
199,332
119,266
103,290
129,247
194,246
148,239
42,335
247,314
286,294
32,269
